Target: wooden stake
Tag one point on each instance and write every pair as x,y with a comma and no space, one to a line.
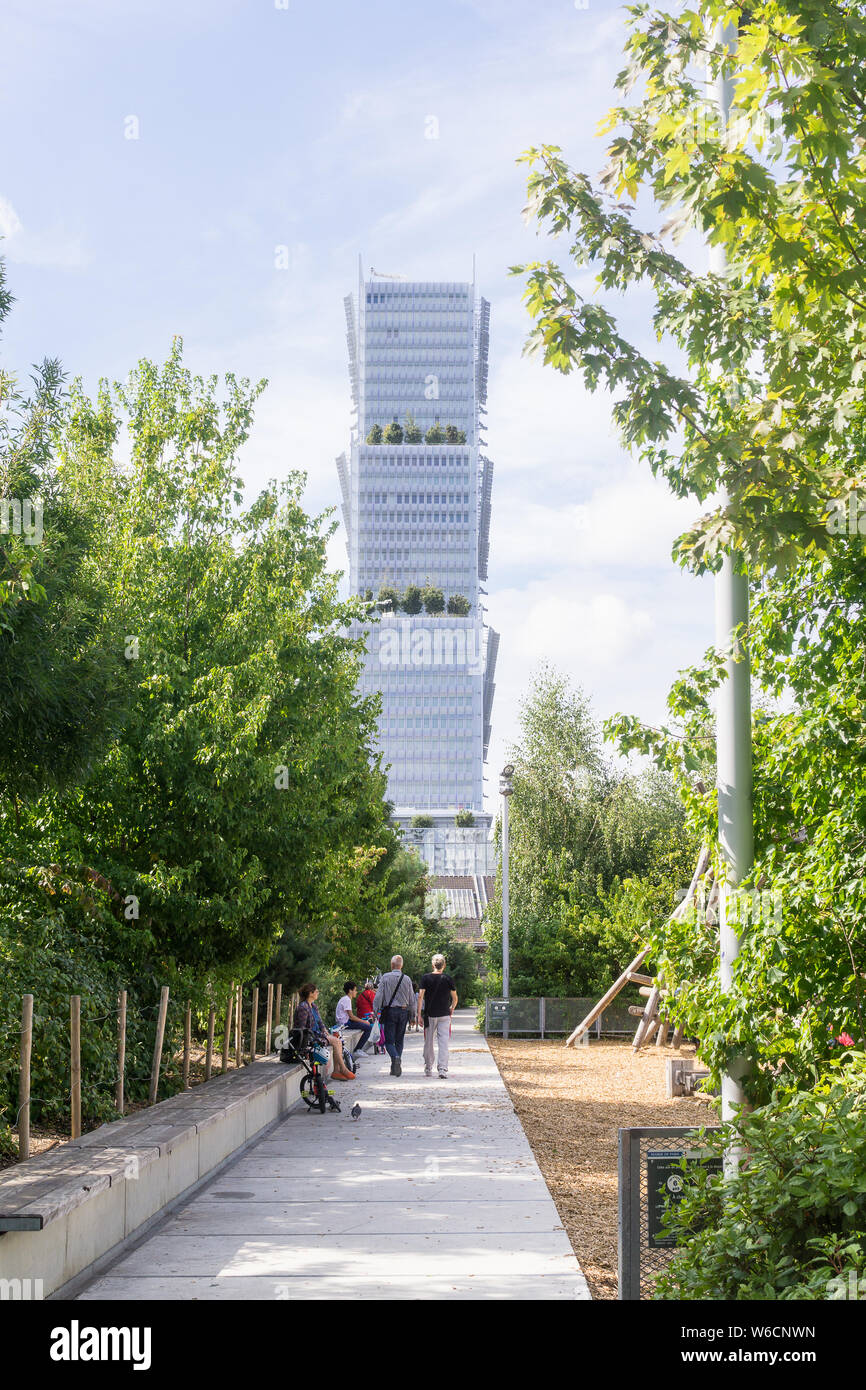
677,1041
269,1018
24,1077
650,1031
239,1005
75,1070
208,1061
157,1046
121,1051
607,998
187,1044
662,1034
254,1024
649,1014
227,1031
278,1005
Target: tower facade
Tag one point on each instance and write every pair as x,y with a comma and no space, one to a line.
416,492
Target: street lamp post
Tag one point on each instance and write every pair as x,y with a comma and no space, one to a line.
505,789
733,715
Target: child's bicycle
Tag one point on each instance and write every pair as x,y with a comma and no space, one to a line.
303,1048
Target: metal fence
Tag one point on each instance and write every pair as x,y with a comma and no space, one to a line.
644,1248
542,1018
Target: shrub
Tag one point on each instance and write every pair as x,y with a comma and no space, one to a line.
388,594
422,822
792,1224
464,819
459,606
393,433
434,599
435,434
374,435
412,432
412,600
454,436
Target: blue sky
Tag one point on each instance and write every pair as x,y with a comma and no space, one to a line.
261,127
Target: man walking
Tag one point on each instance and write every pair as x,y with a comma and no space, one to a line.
437,1000
395,997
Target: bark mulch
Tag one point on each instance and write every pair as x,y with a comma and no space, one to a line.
571,1101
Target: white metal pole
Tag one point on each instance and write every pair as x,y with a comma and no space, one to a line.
733,715
506,981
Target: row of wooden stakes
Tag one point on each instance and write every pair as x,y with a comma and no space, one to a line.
234,1015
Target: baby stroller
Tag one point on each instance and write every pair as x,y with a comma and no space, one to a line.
302,1047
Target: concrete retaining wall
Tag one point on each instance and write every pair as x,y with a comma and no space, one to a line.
62,1211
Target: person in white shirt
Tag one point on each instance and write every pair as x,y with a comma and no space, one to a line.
348,1021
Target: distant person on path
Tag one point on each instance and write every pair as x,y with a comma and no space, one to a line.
350,1022
308,1016
437,1000
396,998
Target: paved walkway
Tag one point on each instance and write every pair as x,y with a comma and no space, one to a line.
433,1193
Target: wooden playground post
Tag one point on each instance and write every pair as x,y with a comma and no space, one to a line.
606,999
75,1068
254,1024
121,1050
239,1004
24,1077
208,1060
269,1019
157,1046
187,1043
227,1031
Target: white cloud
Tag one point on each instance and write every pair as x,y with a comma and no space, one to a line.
48,247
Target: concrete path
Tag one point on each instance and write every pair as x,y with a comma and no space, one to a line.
433,1193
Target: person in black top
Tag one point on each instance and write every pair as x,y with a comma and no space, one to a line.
437,1000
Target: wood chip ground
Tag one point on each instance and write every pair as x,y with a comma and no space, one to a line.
571,1102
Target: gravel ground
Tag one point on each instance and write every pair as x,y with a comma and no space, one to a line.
571,1101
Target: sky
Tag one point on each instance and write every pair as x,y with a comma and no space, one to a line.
215,169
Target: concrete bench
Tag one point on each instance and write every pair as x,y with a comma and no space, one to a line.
62,1211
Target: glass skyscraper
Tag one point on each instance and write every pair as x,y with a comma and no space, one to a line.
417,513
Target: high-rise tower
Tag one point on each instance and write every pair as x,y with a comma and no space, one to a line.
416,504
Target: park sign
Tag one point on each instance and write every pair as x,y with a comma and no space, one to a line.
665,1184
499,1008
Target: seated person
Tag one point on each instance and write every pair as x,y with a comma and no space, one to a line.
355,1029
308,1016
364,1006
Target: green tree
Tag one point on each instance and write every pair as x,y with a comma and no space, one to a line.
391,596
412,601
434,599
412,432
464,819
768,404
239,791
435,434
63,686
595,852
393,433
459,606
374,434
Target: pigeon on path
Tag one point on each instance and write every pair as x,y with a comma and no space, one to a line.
355,1112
